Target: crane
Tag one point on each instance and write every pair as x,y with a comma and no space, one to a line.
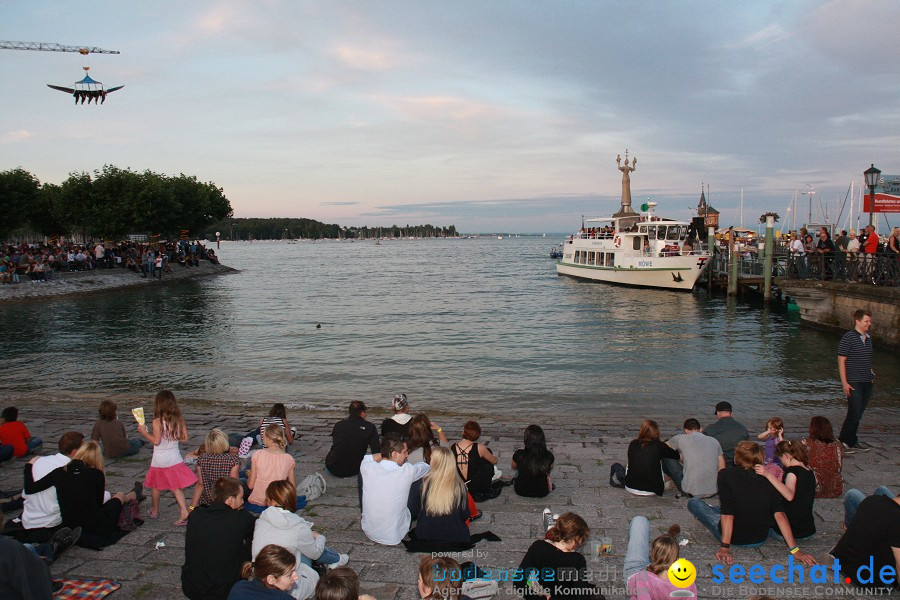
87,89
45,47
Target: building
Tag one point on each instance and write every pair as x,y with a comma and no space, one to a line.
709,214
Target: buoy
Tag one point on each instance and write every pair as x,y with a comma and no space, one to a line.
318,326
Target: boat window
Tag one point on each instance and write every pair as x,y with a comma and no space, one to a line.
590,258
610,259
636,243
651,231
661,232
643,229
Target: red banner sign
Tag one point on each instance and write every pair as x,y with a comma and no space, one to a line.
884,203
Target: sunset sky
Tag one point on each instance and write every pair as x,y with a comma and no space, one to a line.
490,115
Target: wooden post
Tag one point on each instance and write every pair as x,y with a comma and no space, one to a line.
711,269
767,260
733,267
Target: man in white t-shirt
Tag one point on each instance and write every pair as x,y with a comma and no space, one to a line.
41,515
386,485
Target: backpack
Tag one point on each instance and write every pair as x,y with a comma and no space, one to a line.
130,517
312,486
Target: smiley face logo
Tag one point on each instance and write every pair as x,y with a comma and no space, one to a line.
682,573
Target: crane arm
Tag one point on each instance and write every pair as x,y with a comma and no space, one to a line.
45,47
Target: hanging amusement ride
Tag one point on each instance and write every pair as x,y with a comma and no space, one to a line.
87,89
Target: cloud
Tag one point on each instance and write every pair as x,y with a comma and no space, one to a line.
338,203
365,59
11,137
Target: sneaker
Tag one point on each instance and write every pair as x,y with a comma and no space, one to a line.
497,474
64,539
848,449
674,530
862,447
343,560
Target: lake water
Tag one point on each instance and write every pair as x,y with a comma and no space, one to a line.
480,324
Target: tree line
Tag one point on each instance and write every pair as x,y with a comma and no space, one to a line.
293,228
109,204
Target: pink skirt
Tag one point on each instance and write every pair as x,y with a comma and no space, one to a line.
175,477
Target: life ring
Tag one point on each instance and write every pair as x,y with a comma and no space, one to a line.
617,241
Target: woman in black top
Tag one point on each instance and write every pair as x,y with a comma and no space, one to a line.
534,463
645,456
798,486
474,461
80,487
552,568
445,510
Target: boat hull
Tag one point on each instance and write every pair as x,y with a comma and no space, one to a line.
673,273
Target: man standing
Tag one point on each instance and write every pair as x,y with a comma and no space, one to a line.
855,368
798,255
386,486
399,423
350,439
727,431
702,458
870,245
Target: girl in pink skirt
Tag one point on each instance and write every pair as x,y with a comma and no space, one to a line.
167,468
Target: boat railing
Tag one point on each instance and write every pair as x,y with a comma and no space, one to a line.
585,235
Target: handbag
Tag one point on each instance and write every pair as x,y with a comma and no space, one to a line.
312,486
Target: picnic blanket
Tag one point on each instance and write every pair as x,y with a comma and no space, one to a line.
89,589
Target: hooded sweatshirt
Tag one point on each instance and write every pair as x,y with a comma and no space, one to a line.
284,528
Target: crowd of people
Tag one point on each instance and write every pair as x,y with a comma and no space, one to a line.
38,262
246,539
835,255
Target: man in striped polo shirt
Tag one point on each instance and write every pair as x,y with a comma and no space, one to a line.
855,368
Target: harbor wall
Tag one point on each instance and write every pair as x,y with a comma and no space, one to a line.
831,304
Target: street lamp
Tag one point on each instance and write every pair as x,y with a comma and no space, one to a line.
872,174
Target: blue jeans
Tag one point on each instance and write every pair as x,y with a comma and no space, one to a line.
637,555
328,557
710,517
856,405
134,447
853,498
6,453
674,469
34,444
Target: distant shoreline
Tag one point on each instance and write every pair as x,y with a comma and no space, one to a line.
101,280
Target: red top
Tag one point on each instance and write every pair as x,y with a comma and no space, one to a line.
871,246
14,434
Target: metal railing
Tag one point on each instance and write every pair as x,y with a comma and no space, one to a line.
881,269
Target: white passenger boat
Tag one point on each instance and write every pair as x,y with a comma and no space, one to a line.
636,249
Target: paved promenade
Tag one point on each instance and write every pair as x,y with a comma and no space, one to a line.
584,450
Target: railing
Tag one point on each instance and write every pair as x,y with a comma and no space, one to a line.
881,269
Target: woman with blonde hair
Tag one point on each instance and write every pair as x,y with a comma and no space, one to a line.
445,511
81,491
552,568
268,465
647,563
214,461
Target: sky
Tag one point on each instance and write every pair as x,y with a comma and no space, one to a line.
493,115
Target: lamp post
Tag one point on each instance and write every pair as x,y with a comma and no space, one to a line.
872,174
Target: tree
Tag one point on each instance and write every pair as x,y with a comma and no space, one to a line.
19,192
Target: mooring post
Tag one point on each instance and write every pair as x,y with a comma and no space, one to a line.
767,260
733,270
711,244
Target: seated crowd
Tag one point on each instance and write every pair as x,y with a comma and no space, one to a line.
38,262
246,539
